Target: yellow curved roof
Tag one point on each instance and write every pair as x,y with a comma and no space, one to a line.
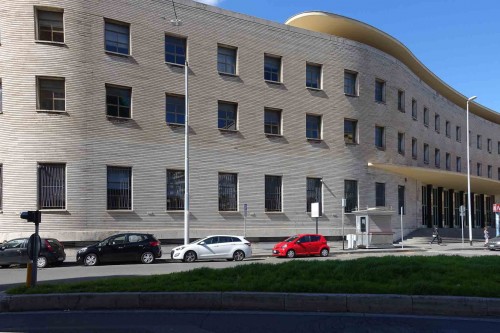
358,31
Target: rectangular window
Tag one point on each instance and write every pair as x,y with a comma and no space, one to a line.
314,193
498,171
50,25
273,194
51,94
227,113
272,68
401,199
380,194
490,171
380,137
51,186
401,143
401,100
498,148
313,127
459,164
118,101
426,153
379,90
228,192
226,60
1,109
313,76
479,169
479,142
119,188
175,189
448,161
414,148
272,121
350,82
175,50
414,110
437,123
175,110
350,127
117,36
437,158
426,117
1,187
458,134
351,195
489,146
448,129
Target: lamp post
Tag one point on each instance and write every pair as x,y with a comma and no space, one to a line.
186,156
468,172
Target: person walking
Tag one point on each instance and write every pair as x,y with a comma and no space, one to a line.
435,236
486,236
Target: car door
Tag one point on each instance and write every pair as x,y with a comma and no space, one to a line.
133,247
301,245
114,250
223,247
206,248
14,252
314,244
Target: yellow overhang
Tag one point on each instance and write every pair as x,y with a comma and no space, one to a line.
345,27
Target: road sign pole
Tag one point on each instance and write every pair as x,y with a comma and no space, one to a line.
245,210
343,234
462,214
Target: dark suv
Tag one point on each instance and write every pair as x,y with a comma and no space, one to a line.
121,247
16,252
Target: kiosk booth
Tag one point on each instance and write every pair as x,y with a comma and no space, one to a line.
373,228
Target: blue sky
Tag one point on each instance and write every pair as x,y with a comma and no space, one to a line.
458,40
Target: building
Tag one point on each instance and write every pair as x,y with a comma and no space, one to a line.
281,115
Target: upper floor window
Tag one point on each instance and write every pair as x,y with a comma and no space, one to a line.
118,101
437,123
175,50
51,186
272,68
459,164
458,134
50,26
479,169
437,158
448,161
489,145
479,142
448,129
272,121
379,194
426,153
380,137
498,147
175,189
498,171
314,193
226,59
401,199
228,191
401,100
51,94
401,143
1,90
426,116
414,110
490,171
350,195
313,76
175,112
273,196
119,188
227,116
313,127
350,83
379,90
414,148
117,36
350,127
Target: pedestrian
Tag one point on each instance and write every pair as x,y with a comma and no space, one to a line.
486,236
435,236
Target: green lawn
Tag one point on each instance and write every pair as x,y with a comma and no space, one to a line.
437,275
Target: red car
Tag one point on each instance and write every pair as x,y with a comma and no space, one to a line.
302,245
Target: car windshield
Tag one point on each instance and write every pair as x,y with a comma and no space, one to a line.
291,239
198,240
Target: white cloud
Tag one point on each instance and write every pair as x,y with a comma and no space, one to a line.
210,2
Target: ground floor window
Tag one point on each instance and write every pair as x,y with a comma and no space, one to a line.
175,189
273,194
380,194
51,186
401,199
314,190
425,216
228,192
351,195
119,188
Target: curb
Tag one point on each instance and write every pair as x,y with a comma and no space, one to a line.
249,301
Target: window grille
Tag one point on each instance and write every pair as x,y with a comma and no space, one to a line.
51,186
119,188
228,192
273,194
351,195
175,190
314,194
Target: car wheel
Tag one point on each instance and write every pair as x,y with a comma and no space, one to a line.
41,262
90,259
238,255
147,258
324,253
290,254
189,256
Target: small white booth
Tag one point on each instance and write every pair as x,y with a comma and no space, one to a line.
374,228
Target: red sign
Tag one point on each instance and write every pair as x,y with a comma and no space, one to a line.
496,208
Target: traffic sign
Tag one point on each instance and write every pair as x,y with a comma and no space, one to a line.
496,208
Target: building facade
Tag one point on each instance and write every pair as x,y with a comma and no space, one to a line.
92,119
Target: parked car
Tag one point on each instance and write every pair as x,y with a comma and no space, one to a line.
15,251
302,245
121,248
227,247
494,243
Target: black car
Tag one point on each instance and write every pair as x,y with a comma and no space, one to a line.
16,252
121,247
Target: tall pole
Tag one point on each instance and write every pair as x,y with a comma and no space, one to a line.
343,235
186,156
469,213
402,233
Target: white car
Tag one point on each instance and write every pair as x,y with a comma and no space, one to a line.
214,247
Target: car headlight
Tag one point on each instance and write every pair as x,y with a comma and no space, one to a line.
284,246
179,248
82,250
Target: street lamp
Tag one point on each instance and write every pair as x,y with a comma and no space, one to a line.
468,172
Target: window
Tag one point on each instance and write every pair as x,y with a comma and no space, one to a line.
414,148
175,110
175,189
437,158
479,142
117,35
350,82
497,147
401,199
272,68
226,60
426,153
498,170
479,169
437,123
459,164
401,100
448,161
51,94
401,143
1,109
313,127
426,116
414,110
379,90
273,194
490,171
51,186
50,25
314,193
380,137
350,126
458,134
489,146
228,192
119,188
351,195
118,101
1,187
272,121
380,194
313,76
175,50
448,129
227,116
